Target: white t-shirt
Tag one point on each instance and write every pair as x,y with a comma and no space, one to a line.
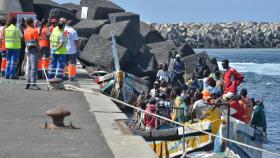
200,107
72,36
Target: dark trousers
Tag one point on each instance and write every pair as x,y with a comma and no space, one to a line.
12,62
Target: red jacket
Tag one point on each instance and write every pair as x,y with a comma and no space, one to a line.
150,121
240,111
232,79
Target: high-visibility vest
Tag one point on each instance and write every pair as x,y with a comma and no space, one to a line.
55,41
12,37
43,37
31,37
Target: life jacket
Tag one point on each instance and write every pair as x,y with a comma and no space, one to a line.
43,37
247,105
30,37
55,41
12,37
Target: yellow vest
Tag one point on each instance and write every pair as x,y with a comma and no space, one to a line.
55,41
12,37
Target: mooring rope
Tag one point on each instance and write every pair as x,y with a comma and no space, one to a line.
175,122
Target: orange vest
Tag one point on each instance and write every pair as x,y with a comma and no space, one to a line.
3,48
43,38
31,36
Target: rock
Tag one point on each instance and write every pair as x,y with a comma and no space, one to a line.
150,34
123,16
82,42
99,9
143,64
162,50
43,8
98,51
71,7
27,6
185,50
192,60
86,28
126,35
58,13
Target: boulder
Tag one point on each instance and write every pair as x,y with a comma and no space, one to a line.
123,16
82,42
98,9
143,64
126,35
86,28
98,51
58,13
43,8
191,61
27,6
150,34
162,50
185,50
71,7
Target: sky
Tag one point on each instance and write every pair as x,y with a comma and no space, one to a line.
174,11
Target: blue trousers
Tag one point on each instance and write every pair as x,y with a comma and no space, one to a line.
58,62
12,61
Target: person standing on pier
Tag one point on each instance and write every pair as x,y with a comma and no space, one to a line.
31,38
232,78
12,36
58,52
72,49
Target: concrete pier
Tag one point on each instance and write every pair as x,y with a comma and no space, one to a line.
22,116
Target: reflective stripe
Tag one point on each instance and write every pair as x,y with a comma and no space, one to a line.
12,37
31,43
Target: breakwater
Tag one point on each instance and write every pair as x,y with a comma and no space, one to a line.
223,35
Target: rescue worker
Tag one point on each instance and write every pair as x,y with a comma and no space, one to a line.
72,49
2,47
232,78
12,37
19,70
31,38
54,23
44,44
58,52
247,105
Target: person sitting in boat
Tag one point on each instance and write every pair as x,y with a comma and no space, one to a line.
216,73
163,109
200,68
247,105
215,91
199,107
232,78
184,111
177,72
163,74
233,101
155,91
163,87
150,121
177,103
258,116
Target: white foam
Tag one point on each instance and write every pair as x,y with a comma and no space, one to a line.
259,68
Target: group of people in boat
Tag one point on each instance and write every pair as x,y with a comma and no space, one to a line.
184,101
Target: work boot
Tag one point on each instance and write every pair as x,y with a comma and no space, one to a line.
27,86
35,87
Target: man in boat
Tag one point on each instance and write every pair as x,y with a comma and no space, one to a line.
150,121
247,104
178,71
200,68
232,99
258,116
184,111
232,78
199,107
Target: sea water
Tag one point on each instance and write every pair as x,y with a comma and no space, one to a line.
261,68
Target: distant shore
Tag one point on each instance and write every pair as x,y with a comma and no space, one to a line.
223,35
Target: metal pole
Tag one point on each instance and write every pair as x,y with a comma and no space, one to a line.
228,118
